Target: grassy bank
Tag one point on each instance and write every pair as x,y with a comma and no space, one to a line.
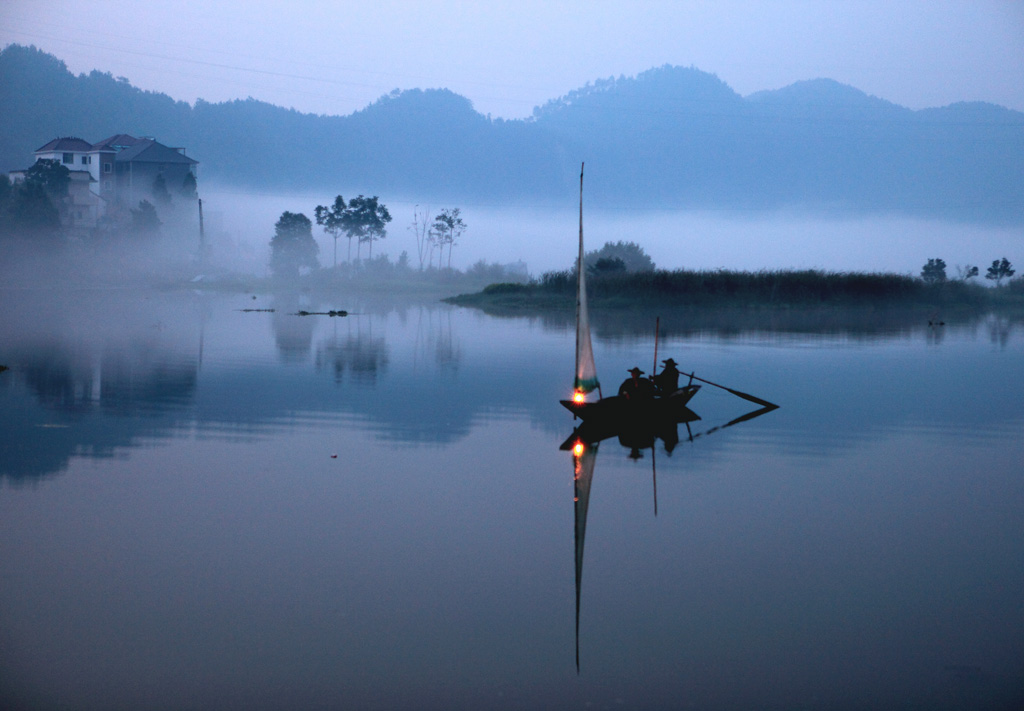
732,289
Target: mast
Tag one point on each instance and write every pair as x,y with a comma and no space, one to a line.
579,285
585,379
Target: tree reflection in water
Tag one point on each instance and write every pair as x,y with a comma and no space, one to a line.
293,335
358,351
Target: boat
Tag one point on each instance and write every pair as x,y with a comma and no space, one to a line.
609,409
615,409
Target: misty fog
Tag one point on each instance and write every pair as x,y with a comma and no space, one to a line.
675,239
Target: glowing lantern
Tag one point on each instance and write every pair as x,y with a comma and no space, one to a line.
577,449
578,396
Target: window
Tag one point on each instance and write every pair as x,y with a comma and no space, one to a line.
86,160
107,184
108,167
68,159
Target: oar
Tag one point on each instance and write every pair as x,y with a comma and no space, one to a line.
750,415
737,393
743,418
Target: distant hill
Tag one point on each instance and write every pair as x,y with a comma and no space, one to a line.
669,137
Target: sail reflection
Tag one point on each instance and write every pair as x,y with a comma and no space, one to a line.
636,436
584,457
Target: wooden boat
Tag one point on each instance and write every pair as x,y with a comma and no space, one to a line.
615,409
671,407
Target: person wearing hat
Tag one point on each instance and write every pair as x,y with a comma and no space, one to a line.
667,380
635,388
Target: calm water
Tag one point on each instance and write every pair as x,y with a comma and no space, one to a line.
205,508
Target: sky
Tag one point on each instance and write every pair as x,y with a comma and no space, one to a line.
508,57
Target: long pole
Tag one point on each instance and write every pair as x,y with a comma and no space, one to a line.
737,393
202,232
657,322
579,271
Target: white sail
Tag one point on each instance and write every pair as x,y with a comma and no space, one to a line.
586,370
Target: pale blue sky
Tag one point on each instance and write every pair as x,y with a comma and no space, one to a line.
507,57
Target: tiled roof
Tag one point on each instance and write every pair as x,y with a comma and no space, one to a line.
68,143
149,151
128,148
120,140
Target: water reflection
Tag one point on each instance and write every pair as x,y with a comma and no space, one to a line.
102,372
999,329
436,339
866,536
293,335
73,392
637,436
869,323
361,354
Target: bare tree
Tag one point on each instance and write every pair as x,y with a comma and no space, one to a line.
966,272
420,227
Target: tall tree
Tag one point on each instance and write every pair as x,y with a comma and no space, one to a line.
332,219
293,248
367,219
189,189
1000,269
145,220
630,254
449,227
160,192
934,271
32,212
53,177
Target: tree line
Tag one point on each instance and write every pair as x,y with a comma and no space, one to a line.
934,271
294,251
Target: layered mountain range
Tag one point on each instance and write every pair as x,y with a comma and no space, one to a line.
669,137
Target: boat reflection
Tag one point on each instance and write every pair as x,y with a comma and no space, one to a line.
636,436
634,433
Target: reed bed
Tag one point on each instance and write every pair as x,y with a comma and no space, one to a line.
858,304
765,287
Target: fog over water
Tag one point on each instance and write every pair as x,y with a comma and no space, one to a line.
675,239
